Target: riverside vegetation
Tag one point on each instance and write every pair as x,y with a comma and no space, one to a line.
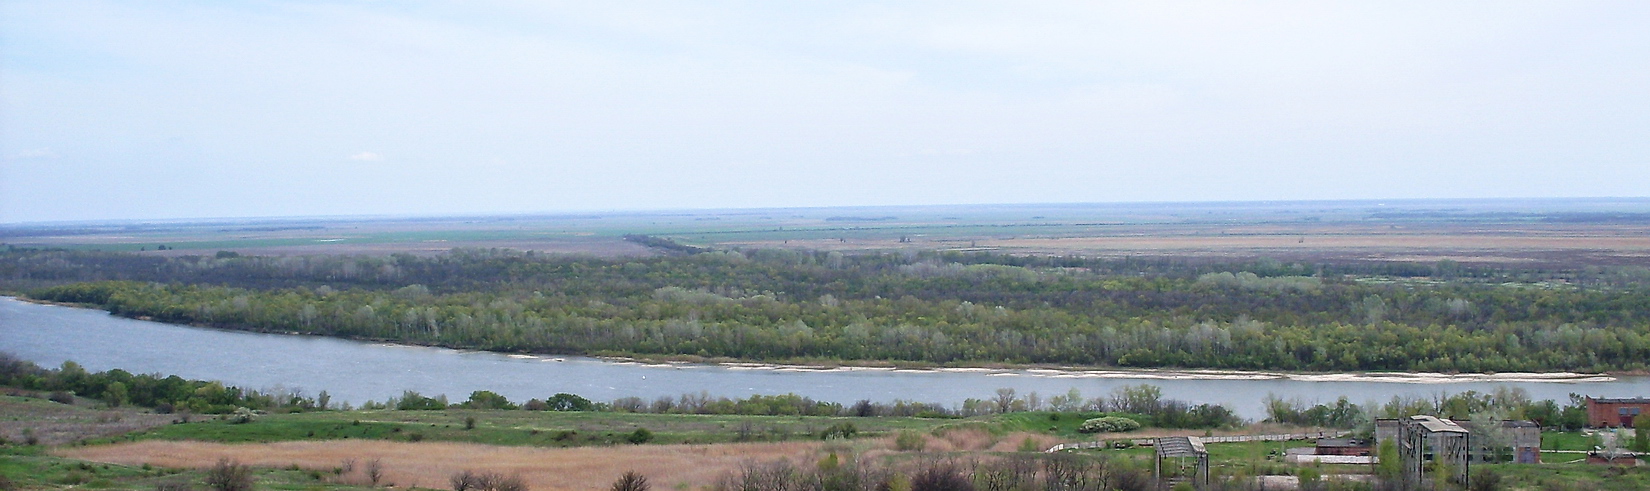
916,307
998,449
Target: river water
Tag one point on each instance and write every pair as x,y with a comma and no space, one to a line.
355,371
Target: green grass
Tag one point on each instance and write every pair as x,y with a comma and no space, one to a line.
532,428
1577,476
1058,424
1567,441
31,468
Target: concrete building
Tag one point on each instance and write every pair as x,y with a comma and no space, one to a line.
1612,413
1515,441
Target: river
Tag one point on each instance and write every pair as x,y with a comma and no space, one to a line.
356,371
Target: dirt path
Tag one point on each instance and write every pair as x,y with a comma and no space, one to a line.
429,464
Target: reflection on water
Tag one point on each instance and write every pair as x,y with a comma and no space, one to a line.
358,371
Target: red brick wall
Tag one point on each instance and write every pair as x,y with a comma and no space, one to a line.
1601,415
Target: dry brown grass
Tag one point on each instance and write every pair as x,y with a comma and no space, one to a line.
429,464
58,424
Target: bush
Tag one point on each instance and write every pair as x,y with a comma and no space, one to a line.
1485,480
631,481
941,476
229,475
62,397
243,415
640,436
840,430
490,481
909,441
464,481
1108,424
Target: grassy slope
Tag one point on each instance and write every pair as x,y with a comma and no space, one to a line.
29,467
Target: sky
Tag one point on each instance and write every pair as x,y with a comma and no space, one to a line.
194,109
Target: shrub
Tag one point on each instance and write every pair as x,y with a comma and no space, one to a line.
375,471
464,481
243,415
62,397
1108,424
74,477
840,430
631,481
909,441
512,483
176,485
941,476
640,436
229,475
489,481
1485,480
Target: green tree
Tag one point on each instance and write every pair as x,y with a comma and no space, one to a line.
115,395
568,402
1641,433
486,399
1388,468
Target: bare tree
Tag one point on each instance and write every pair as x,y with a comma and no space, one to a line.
375,471
1005,399
229,475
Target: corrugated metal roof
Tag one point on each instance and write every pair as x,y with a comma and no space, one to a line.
1436,425
1179,446
1623,400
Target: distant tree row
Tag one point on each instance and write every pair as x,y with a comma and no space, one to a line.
165,394
943,308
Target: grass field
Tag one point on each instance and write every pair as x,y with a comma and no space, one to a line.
518,428
585,450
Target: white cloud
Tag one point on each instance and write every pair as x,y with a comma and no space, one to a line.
367,157
34,154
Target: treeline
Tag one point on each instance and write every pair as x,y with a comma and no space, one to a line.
942,308
164,394
1143,403
1501,404
167,394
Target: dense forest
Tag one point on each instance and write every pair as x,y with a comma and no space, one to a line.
927,307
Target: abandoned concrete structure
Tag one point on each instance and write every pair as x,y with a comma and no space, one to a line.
1423,438
1180,449
1514,441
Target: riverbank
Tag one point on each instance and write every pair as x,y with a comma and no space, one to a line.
987,369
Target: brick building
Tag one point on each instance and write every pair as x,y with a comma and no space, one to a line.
1611,413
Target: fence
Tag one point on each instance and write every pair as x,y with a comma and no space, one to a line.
1209,439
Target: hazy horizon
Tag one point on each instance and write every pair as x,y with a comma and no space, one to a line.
1598,204
113,111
